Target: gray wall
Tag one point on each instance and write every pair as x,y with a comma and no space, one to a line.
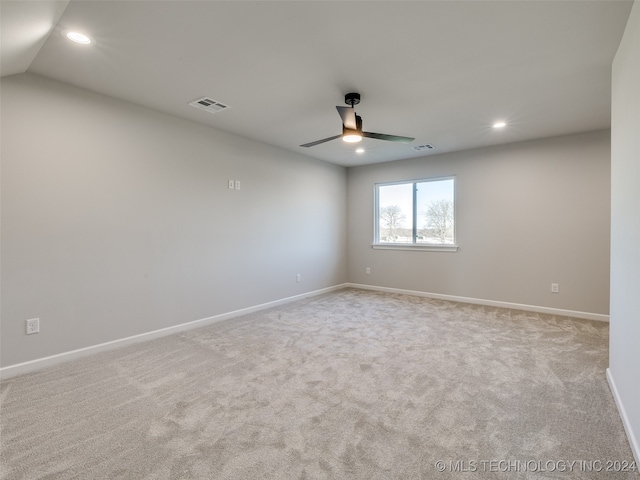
624,357
117,220
528,214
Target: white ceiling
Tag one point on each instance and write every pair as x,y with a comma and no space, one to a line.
439,71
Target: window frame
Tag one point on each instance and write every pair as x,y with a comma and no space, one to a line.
430,247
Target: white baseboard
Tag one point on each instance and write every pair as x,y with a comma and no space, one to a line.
40,363
492,303
633,440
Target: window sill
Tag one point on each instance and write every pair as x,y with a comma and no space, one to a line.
414,247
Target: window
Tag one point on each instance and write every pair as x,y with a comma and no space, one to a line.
419,213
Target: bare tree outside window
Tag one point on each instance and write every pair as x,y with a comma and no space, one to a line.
418,213
440,219
392,217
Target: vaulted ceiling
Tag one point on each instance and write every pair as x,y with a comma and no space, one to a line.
440,71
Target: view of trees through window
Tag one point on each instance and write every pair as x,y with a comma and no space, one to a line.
420,212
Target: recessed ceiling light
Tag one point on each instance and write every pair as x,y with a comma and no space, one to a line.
78,38
499,125
360,150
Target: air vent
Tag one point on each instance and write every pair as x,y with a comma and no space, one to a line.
208,105
426,146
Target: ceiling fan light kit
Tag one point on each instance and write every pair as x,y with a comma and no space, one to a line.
352,126
351,136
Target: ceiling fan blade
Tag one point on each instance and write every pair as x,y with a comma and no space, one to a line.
348,116
390,138
318,142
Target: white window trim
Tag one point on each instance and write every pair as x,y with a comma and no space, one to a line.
428,247
421,247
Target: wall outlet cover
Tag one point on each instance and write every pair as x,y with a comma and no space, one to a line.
32,326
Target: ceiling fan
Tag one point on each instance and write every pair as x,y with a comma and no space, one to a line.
352,126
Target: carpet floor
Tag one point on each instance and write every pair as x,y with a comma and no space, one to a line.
349,385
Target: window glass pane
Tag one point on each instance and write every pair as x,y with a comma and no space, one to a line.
434,204
395,219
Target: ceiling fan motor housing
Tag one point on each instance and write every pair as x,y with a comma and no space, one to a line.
352,99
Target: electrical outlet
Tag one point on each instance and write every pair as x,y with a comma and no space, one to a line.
33,325
367,271
237,184
555,288
231,184
298,278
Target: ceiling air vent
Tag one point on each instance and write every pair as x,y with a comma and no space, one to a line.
426,146
208,105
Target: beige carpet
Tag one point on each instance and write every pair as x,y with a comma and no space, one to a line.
349,385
